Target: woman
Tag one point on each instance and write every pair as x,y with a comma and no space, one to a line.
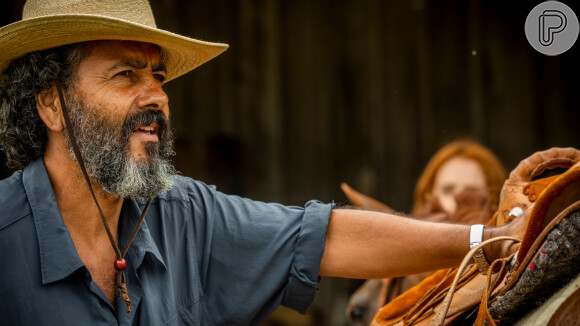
460,184
459,166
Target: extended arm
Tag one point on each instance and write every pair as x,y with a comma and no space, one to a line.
367,244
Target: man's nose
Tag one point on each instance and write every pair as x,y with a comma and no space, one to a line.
153,96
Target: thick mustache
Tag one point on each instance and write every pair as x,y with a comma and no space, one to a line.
146,118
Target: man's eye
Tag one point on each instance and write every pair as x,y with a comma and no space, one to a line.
125,73
159,77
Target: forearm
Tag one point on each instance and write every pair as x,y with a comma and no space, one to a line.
366,244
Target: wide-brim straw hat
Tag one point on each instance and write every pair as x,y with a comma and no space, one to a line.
47,24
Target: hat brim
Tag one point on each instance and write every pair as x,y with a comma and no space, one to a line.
181,54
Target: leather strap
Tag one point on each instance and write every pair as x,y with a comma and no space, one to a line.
502,266
441,313
121,284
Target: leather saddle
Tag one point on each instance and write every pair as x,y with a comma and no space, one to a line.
547,259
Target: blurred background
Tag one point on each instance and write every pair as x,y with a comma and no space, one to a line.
314,93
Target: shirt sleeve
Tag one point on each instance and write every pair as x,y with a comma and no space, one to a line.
257,255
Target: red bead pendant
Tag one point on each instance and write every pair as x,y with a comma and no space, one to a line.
120,264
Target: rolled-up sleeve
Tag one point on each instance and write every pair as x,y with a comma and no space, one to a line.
303,281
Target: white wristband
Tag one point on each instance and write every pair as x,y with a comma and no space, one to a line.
476,235
475,238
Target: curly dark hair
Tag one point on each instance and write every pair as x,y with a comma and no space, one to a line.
22,132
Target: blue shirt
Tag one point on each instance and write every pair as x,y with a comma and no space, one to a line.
200,258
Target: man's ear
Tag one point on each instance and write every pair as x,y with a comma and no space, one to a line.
49,109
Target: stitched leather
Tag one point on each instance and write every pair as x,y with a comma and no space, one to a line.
520,190
444,308
538,197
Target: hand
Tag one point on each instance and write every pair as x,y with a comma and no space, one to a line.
516,228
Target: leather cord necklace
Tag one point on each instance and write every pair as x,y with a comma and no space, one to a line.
120,263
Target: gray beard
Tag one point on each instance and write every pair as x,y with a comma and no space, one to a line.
107,156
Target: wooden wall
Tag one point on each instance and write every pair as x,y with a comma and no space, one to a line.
313,93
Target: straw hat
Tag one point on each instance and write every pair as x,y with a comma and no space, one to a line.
50,23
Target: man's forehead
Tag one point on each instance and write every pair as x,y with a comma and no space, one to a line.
131,52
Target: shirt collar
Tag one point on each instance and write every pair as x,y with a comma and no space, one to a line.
58,255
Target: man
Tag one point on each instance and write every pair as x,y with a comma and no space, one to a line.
98,230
